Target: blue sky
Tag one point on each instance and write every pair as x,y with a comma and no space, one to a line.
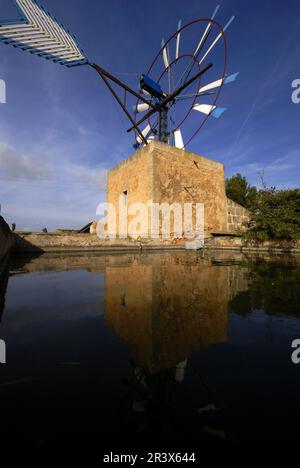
60,130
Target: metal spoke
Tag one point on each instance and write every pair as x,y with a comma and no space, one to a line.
189,96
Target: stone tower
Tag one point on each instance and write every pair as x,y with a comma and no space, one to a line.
161,173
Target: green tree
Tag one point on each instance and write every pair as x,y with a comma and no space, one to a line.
239,190
276,214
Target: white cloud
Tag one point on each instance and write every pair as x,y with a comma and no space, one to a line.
283,172
14,165
46,189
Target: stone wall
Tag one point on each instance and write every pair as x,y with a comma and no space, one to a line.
41,242
238,217
184,177
6,238
33,242
131,179
236,242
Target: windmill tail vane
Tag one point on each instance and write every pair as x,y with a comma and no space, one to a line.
161,88
40,33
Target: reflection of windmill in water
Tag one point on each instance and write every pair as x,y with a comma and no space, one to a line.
165,309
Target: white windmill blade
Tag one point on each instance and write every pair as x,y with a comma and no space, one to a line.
165,54
178,139
40,33
145,132
206,32
141,107
216,40
178,40
208,109
218,83
214,84
204,108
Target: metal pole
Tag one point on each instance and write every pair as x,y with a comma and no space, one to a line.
163,130
102,72
159,126
123,107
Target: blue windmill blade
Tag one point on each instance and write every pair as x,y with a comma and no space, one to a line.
216,113
39,32
231,78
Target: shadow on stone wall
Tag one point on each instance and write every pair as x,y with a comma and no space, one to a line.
22,245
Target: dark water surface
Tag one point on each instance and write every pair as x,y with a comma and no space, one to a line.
129,350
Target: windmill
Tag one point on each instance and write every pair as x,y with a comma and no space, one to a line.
169,93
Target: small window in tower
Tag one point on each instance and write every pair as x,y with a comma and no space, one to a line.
125,194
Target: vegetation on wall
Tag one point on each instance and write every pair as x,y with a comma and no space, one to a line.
275,214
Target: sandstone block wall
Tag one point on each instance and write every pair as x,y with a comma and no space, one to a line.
238,217
184,177
132,180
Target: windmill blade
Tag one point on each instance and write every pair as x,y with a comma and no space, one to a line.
178,139
145,133
178,39
40,33
208,109
218,83
165,54
216,40
204,36
141,107
201,43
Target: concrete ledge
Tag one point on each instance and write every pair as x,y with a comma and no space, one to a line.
41,242
88,243
238,244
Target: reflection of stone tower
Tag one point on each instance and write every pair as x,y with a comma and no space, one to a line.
166,307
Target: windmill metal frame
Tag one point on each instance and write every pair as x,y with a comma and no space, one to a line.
37,31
